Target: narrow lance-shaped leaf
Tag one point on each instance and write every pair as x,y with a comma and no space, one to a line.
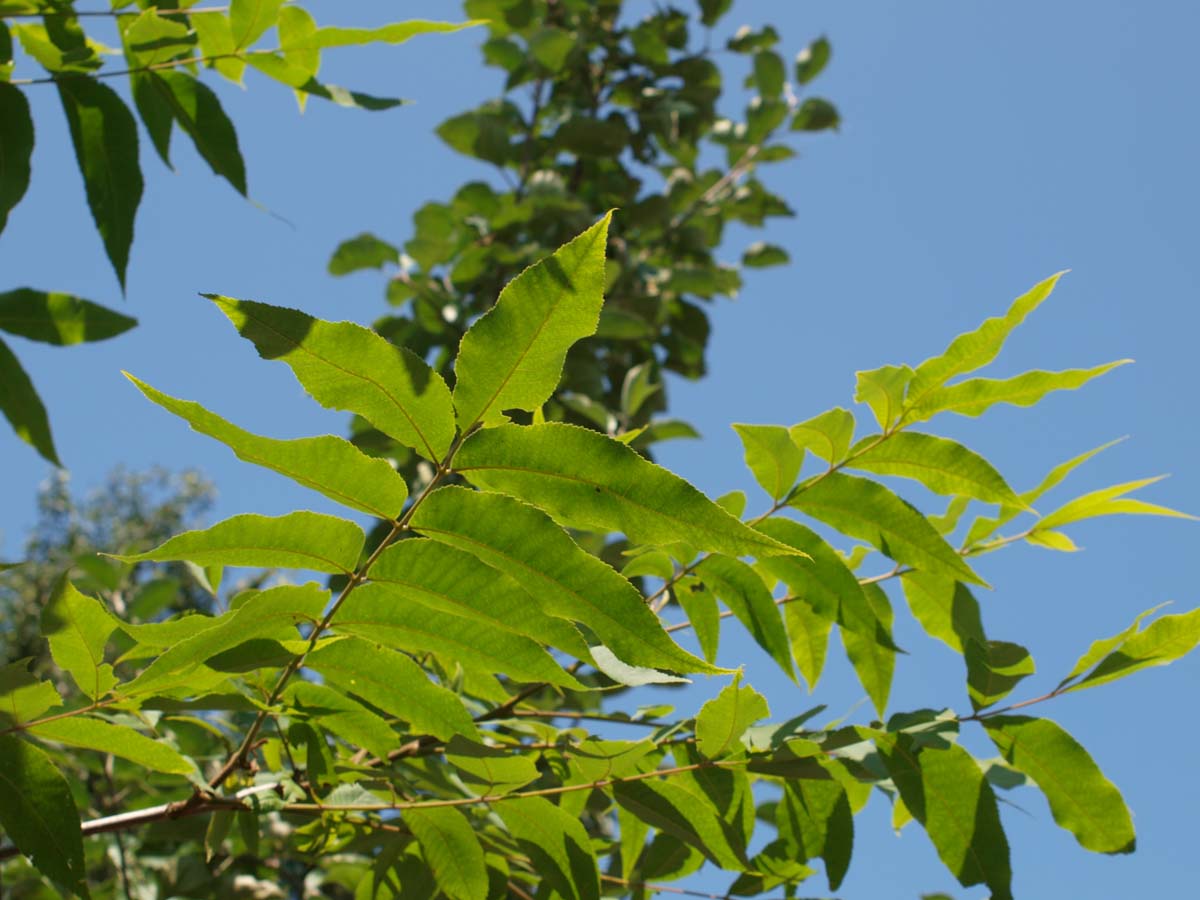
513,356
1082,800
772,456
868,511
23,408
328,464
298,77
743,591
946,609
1110,501
340,716
395,33
296,28
975,396
683,814
105,137
38,814
587,480
78,628
723,720
452,850
874,656
1163,641
565,579
814,818
299,540
58,319
119,740
942,465
975,349
16,148
345,366
199,113
558,844
994,669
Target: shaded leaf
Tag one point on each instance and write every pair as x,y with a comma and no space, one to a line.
812,60
16,148
22,697
341,716
557,843
23,408
199,113
994,668
873,655
58,319
452,850
945,608
491,769
743,591
363,252
815,820
682,814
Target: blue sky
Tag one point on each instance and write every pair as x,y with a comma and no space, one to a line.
984,147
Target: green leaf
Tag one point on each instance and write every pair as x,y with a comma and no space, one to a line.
1056,475
947,793
452,850
22,697
827,435
812,60
491,769
868,511
723,720
551,46
566,581
340,716
942,465
250,19
298,28
105,137
772,456
638,387
977,395
16,148
816,114
363,252
683,814
945,608
1163,641
743,591
1082,800
1110,501
199,113
78,628
58,319
345,366
760,255
587,480
975,349
217,45
814,819
394,683
557,843
299,540
873,656
395,33
699,604
883,389
330,465
39,815
119,740
443,578
512,357
1101,648
1053,540
273,613
769,73
809,635
379,612
23,408
994,668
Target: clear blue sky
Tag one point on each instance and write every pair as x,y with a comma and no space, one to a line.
984,146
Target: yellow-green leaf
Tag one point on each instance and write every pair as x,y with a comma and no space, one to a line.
723,720
772,456
78,628
119,740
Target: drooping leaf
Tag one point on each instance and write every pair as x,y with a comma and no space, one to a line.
16,148
442,577
827,435
683,814
58,319
994,668
742,590
976,395
199,113
808,633
296,28
723,720
772,456
250,19
868,511
874,656
394,683
512,357
815,820
297,77
78,628
119,740
567,581
699,604
587,480
945,790
328,464
345,366
452,850
882,390
378,612
942,465
975,349
1163,641
945,608
363,252
298,540
631,676
1110,501
23,408
812,60
395,33
1082,800
1056,475
557,843
274,613
39,815
105,137
22,696
341,716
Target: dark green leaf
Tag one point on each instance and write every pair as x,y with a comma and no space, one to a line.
557,843
816,114
363,252
812,60
119,740
58,319
681,813
994,668
16,148
742,590
198,111
452,851
23,408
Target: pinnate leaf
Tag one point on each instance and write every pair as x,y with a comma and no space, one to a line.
298,540
1110,501
363,252
512,357
587,480
1082,800
873,655
328,464
882,390
22,697
341,716
452,850
395,33
199,113
345,366
250,19
683,814
38,814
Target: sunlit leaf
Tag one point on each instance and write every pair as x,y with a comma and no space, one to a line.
119,740
827,435
743,592
772,456
723,720
78,628
883,389
1110,501
250,19
1163,641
